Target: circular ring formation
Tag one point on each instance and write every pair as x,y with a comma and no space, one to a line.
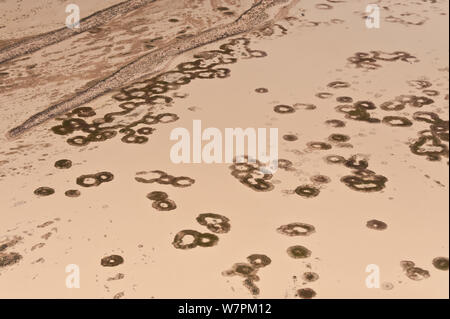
307,191
111,261
298,252
161,201
165,179
214,222
199,239
91,180
44,191
293,229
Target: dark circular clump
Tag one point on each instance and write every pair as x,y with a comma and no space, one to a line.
257,184
357,162
290,137
214,222
335,123
324,95
178,240
182,181
157,195
417,274
298,252
362,183
111,261
306,293
310,276
284,163
261,90
91,180
397,121
72,193
339,138
296,229
440,263
338,85
335,159
9,259
250,285
284,109
44,191
207,240
365,105
319,146
259,260
320,179
84,112
376,224
164,205
307,191
431,92
244,269
344,99
64,163
305,106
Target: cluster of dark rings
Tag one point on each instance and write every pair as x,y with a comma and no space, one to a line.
149,93
199,239
91,180
370,60
166,179
420,84
402,101
161,201
296,229
249,174
436,135
413,272
249,271
100,134
364,180
214,222
358,111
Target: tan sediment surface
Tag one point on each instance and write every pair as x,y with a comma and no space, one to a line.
294,60
149,64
